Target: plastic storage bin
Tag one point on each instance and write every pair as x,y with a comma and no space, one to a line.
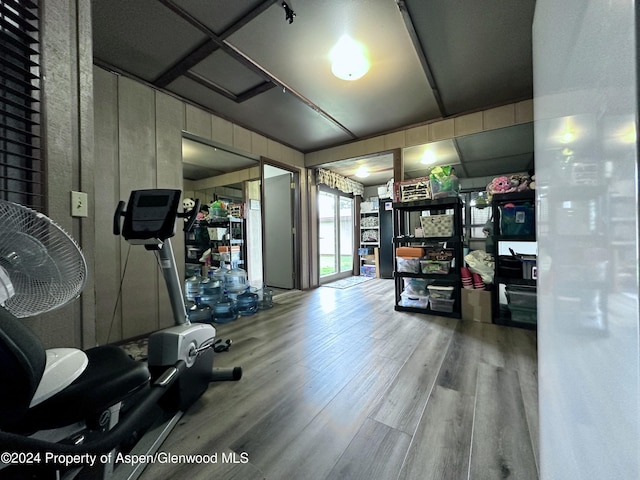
368,271
529,267
435,266
408,265
523,314
216,233
521,296
509,266
517,220
413,300
440,292
417,286
442,304
445,187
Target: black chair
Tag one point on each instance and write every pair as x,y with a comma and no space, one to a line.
111,376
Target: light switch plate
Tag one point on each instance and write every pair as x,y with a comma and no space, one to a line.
79,204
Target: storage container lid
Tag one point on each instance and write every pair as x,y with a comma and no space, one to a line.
440,287
521,289
414,296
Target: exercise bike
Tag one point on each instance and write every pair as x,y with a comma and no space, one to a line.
67,413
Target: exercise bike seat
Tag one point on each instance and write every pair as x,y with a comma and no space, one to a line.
111,376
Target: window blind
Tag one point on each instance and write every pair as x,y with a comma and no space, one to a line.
21,162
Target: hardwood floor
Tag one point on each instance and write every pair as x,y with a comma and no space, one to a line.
338,385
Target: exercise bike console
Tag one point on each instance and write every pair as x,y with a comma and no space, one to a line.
151,216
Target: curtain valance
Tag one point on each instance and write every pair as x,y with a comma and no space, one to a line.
335,180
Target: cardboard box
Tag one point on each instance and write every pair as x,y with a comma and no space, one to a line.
410,252
476,305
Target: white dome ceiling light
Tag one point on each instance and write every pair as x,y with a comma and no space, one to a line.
348,59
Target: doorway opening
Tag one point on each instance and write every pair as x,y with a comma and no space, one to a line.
335,234
279,193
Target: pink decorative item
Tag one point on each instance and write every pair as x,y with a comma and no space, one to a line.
501,185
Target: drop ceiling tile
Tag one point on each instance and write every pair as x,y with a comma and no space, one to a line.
218,15
497,143
499,166
394,92
225,71
132,36
274,114
480,52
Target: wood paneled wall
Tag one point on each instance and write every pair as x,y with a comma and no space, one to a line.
68,148
138,138
138,146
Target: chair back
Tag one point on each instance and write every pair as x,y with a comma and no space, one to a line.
22,362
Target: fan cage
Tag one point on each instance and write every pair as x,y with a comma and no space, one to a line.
45,265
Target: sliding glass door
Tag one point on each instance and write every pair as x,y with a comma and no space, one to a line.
336,246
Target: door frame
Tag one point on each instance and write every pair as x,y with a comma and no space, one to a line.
296,220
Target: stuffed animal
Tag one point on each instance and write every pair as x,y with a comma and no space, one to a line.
188,204
513,183
520,183
499,185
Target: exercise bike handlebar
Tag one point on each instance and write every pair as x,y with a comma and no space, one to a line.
116,217
110,439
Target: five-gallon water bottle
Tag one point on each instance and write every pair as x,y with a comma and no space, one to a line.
219,276
267,298
235,279
192,288
210,290
247,303
199,312
224,310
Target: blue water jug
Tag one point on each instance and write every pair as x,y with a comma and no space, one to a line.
199,312
235,279
267,298
192,287
210,291
247,303
224,310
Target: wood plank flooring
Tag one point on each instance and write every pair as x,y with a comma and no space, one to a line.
338,385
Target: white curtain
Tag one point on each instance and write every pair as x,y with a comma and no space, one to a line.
337,181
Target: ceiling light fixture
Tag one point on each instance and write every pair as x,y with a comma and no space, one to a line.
628,134
362,172
428,158
348,59
567,137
